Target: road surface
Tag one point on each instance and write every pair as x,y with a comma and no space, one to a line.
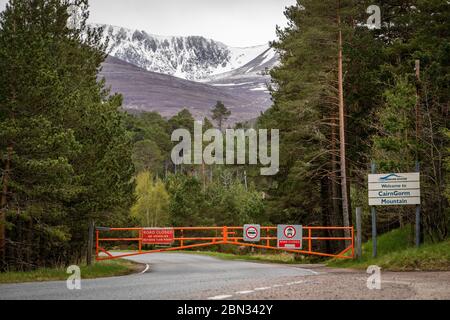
189,276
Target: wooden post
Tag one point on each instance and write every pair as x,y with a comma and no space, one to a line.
96,243
90,243
245,180
358,233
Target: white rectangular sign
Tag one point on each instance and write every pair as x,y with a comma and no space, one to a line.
289,236
394,185
394,189
394,193
394,177
393,201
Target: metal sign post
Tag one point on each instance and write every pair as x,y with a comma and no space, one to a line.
373,212
358,233
394,189
417,213
90,245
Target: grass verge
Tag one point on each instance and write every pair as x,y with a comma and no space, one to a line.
286,258
395,253
98,269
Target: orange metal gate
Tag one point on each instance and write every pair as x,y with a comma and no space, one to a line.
223,235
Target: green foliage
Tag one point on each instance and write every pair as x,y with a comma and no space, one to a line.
188,206
380,92
396,129
152,145
182,119
152,201
305,111
419,31
71,151
220,113
234,205
396,253
218,204
147,156
99,269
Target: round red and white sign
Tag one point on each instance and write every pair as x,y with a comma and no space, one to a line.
289,232
251,232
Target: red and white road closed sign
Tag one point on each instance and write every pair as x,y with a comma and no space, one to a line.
158,235
289,236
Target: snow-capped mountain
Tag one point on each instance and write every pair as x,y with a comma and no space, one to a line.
166,74
194,58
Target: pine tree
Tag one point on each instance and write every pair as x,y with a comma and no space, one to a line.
70,150
306,105
220,113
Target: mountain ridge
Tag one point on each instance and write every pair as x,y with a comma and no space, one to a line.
189,57
166,74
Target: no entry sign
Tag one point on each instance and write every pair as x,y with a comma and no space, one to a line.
289,236
157,235
252,232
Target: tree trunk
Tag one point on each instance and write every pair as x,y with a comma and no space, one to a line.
336,218
344,190
3,203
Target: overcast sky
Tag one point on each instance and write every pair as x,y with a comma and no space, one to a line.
234,22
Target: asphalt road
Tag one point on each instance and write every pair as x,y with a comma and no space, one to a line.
169,276
189,276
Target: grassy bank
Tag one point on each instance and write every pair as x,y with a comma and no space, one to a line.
98,269
396,253
286,258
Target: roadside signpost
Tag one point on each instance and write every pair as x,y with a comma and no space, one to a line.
252,232
289,236
393,189
158,235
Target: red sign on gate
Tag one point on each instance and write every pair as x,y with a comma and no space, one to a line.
158,235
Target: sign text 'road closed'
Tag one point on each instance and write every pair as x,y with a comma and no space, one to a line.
157,235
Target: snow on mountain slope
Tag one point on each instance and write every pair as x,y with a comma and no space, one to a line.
253,76
193,58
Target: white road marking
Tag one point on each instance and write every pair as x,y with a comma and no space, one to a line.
245,292
225,296
312,271
220,297
262,288
396,282
146,268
